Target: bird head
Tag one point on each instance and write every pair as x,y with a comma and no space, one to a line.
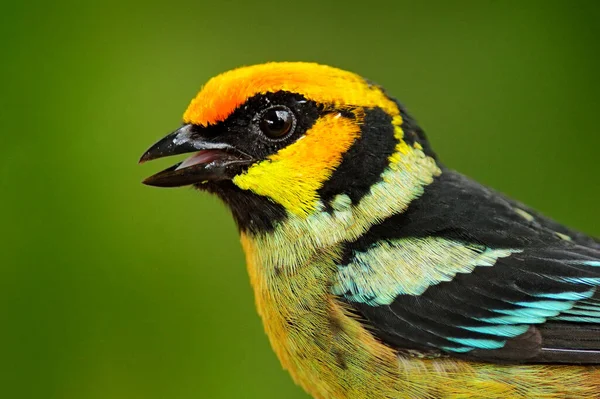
283,140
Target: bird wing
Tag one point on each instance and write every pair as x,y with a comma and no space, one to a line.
466,272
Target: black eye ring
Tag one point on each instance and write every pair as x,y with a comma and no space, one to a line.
277,122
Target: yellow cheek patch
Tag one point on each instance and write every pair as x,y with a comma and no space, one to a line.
326,85
292,176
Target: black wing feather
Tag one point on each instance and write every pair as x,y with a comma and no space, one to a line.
543,292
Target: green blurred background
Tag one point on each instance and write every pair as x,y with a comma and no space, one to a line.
110,289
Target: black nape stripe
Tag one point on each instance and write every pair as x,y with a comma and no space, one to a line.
365,161
252,213
412,131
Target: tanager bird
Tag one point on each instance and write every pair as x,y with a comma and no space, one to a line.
377,271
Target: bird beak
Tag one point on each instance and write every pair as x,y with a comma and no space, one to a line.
212,161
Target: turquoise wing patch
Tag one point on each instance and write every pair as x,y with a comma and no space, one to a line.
408,267
438,293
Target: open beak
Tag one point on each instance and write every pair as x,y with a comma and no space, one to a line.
212,161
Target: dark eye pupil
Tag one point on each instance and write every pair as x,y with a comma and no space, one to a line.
276,122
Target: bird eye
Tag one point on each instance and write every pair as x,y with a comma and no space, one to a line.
277,121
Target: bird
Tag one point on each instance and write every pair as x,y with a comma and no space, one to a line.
379,272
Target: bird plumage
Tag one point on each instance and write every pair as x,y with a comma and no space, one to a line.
378,272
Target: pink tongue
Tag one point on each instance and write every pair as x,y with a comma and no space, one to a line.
201,157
